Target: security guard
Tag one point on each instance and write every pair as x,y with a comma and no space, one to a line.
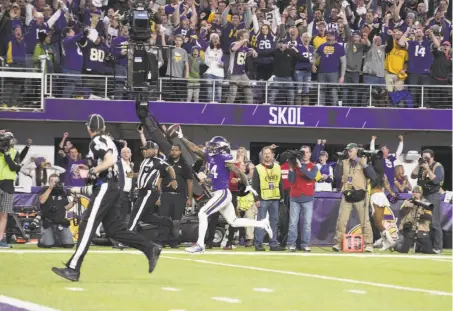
430,175
267,182
353,173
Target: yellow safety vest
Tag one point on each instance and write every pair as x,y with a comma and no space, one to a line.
269,181
245,202
5,172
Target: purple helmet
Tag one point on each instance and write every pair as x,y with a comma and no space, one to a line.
218,145
393,199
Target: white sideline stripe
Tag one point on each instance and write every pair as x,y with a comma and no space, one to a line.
171,289
226,299
317,276
356,291
24,304
223,253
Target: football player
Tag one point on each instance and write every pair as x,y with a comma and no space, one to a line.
219,163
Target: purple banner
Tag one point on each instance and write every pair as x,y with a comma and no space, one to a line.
244,115
325,214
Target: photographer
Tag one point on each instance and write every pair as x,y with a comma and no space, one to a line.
54,204
430,177
353,173
416,217
302,175
9,157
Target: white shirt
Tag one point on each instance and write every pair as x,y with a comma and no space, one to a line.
127,181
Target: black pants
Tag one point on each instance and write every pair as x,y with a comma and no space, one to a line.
436,226
213,219
125,205
143,208
103,208
172,204
424,244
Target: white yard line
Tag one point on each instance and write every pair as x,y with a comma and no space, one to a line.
226,299
23,304
317,276
223,253
356,291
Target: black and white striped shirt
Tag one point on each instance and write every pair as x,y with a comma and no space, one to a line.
99,146
150,172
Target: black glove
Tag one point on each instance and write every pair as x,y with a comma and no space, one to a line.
65,223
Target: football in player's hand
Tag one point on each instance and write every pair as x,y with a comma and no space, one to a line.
172,131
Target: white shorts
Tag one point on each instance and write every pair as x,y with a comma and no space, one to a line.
220,202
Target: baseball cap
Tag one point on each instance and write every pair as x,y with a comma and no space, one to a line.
96,122
446,43
351,146
149,145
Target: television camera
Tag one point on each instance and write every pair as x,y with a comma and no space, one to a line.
291,156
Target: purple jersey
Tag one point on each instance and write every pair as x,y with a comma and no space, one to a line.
93,58
264,43
389,169
307,54
31,36
229,35
72,54
218,171
237,60
118,44
183,32
330,55
420,57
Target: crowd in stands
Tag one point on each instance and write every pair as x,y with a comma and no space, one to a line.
392,43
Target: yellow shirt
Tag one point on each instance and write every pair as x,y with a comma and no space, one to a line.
317,41
394,62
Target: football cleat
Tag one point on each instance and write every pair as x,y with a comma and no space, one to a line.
194,249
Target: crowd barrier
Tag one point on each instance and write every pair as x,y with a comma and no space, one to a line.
34,87
325,214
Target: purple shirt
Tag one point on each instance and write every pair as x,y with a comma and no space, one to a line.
218,171
330,55
420,57
116,47
72,54
237,60
93,57
71,178
264,43
31,36
389,169
229,35
307,54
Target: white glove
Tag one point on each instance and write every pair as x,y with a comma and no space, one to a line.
250,189
179,133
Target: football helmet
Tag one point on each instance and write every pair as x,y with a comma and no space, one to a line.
218,145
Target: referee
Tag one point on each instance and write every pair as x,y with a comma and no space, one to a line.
103,204
147,179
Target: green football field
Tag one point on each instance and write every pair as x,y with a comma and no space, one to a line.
220,280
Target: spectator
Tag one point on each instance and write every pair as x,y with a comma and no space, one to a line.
119,50
70,162
43,53
215,62
267,182
389,159
72,61
35,173
247,207
325,183
236,69
401,182
241,155
302,72
265,42
193,87
395,62
441,71
373,68
178,68
302,179
16,59
330,56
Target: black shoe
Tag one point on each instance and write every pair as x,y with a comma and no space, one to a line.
153,256
276,248
260,248
67,273
208,246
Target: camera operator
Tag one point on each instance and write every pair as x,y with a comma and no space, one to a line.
9,167
302,175
430,177
54,204
416,217
353,173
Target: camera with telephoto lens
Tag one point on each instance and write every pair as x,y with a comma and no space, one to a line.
423,160
85,190
425,204
36,222
292,156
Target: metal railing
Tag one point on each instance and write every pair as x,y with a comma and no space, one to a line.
246,91
22,89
